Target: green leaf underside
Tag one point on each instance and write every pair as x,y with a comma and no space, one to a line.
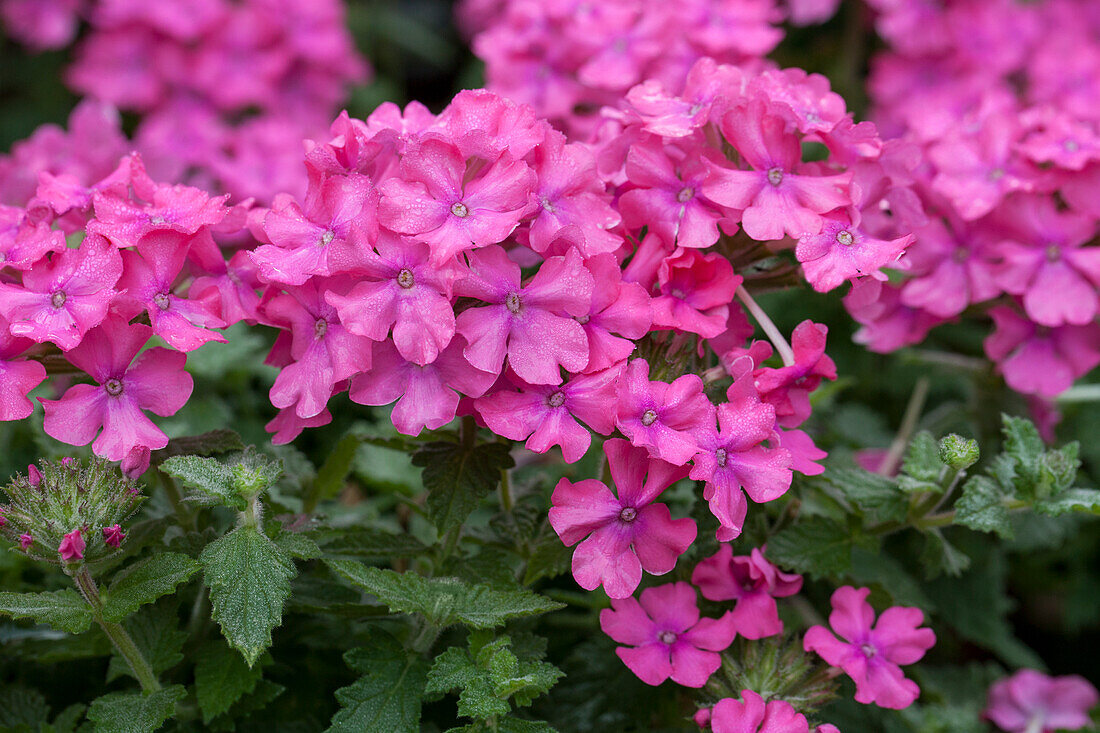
458,478
387,695
62,609
146,581
221,678
134,712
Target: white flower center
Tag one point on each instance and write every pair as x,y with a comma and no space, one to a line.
649,417
845,237
667,637
720,456
512,302
628,514
327,237
775,176
557,399
320,328
685,195
113,387
459,209
405,278
162,301
57,300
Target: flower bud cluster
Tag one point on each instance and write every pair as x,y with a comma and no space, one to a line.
69,510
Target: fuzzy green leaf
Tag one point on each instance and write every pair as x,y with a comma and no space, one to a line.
156,633
249,581
387,695
1022,442
549,557
134,712
940,556
444,601
922,458
298,545
146,581
22,708
878,496
61,609
816,546
1070,500
229,481
458,478
368,543
981,507
221,678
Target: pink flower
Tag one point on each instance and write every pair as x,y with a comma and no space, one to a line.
774,198
124,388
64,296
1037,359
735,457
286,426
622,534
400,288
872,655
666,193
71,547
788,388
147,282
620,311
25,541
952,268
669,419
532,324
695,292
751,581
666,636
427,395
1032,702
22,242
431,197
34,476
113,535
547,415
842,250
17,376
329,237
322,351
751,715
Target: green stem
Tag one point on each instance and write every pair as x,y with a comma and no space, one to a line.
424,640
118,635
505,491
773,333
1080,393
905,431
468,432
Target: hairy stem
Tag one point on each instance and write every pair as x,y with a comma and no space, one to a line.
905,432
773,334
118,635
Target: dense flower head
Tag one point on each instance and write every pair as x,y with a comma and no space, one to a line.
666,636
871,652
1032,701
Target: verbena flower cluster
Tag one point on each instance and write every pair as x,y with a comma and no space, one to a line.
1002,101
228,113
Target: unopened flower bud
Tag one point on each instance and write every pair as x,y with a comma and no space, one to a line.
72,547
958,452
113,535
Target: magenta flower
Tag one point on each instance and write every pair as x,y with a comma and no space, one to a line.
952,268
400,289
72,546
751,715
695,292
751,581
64,296
328,238
1043,261
17,376
146,284
669,419
286,426
533,324
431,198
735,457
871,653
666,193
666,636
124,389
23,243
842,250
426,395
1040,360
25,541
548,415
774,198
625,534
788,388
1032,702
620,311
113,535
570,194
322,351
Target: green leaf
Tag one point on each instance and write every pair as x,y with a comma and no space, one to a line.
549,558
67,720
981,507
940,556
1070,500
249,581
298,545
816,546
230,481
878,496
221,678
878,567
61,609
1022,442
368,543
387,695
146,581
207,444
22,708
922,458
333,472
157,635
134,712
444,601
458,478
266,691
